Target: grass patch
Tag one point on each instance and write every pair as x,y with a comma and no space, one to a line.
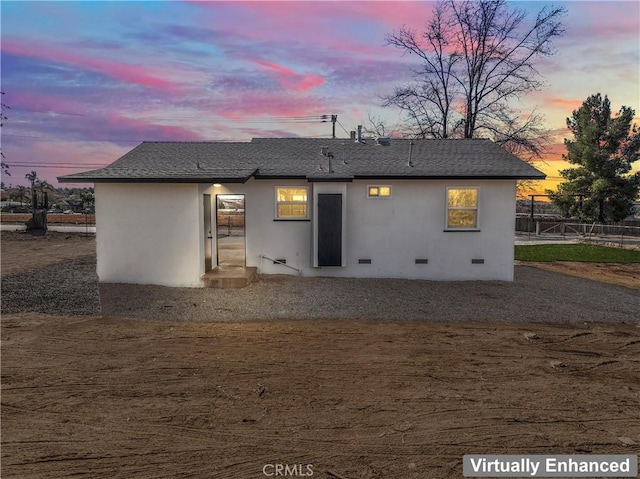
588,253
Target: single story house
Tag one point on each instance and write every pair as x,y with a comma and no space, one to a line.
391,208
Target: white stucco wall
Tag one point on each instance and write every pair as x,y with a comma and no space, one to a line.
263,235
391,232
149,233
154,233
410,225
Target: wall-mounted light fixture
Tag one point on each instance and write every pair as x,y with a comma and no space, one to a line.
217,185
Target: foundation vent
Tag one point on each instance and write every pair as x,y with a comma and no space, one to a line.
422,261
477,261
280,261
364,261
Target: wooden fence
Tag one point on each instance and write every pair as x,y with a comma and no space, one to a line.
52,218
571,227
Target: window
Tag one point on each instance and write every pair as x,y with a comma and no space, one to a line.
377,191
462,208
292,203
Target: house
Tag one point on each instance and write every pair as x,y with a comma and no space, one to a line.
427,209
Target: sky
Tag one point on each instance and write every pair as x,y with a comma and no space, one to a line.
88,81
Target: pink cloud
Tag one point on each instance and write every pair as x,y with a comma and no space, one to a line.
356,28
113,69
31,101
563,103
256,106
555,151
141,129
84,156
287,78
390,14
622,20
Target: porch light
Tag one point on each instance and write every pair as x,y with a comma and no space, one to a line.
217,185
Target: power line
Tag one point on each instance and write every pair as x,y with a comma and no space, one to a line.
345,130
287,119
47,111
72,140
272,119
45,166
26,162
56,163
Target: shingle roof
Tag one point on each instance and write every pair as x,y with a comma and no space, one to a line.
206,162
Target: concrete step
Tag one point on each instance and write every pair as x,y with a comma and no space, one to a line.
230,277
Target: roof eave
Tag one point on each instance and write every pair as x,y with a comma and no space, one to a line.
259,176
211,179
244,179
450,177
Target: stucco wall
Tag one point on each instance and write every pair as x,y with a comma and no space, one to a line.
410,225
391,232
263,235
153,233
149,233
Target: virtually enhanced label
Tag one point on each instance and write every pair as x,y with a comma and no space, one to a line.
581,465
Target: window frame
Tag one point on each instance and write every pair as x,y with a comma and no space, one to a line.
277,203
378,196
447,208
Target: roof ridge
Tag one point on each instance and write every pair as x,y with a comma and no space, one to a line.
182,142
298,157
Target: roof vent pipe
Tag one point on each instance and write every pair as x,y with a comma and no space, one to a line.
352,135
410,164
360,140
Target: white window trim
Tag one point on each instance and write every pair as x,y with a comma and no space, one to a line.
446,208
379,197
276,203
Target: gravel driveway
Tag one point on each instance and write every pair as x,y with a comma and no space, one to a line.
534,296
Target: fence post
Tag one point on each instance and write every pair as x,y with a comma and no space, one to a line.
538,228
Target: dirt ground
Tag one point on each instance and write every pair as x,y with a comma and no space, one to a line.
23,252
627,275
93,396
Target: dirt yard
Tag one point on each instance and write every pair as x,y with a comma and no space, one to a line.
117,397
627,275
22,252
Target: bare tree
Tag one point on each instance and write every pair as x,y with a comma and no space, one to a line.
376,126
475,58
4,167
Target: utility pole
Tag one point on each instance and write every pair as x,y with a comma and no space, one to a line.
334,119
533,200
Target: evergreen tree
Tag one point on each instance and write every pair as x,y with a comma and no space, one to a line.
604,148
